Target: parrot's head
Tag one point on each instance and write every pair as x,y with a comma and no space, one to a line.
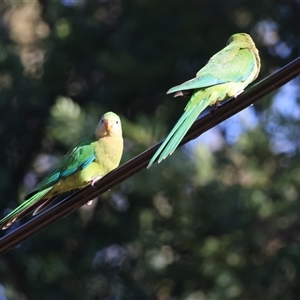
109,125
242,39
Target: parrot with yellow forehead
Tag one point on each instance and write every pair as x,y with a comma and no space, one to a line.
226,75
92,158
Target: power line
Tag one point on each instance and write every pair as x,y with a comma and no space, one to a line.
139,162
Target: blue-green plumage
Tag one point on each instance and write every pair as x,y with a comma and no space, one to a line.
88,161
225,75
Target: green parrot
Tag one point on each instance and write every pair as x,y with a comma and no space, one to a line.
92,158
226,75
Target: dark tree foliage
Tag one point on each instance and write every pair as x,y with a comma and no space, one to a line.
219,219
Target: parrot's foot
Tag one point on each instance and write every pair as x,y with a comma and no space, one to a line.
93,181
178,94
214,107
8,224
238,93
183,94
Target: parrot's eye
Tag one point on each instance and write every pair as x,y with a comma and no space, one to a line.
102,121
117,122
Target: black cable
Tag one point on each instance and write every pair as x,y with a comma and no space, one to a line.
139,162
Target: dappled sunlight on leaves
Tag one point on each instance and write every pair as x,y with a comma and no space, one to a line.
218,219
160,258
140,132
67,115
204,161
163,206
62,28
243,17
27,29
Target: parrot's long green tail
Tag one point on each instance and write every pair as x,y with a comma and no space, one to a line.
23,209
179,131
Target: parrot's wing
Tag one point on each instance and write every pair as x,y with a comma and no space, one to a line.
228,65
77,158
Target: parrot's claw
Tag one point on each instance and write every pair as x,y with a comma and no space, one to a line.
238,93
183,94
178,94
9,223
94,180
214,107
5,226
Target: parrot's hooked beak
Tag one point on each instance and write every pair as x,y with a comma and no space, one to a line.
107,125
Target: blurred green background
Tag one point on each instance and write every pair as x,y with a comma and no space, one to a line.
219,219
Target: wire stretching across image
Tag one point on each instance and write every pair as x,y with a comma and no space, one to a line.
261,89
